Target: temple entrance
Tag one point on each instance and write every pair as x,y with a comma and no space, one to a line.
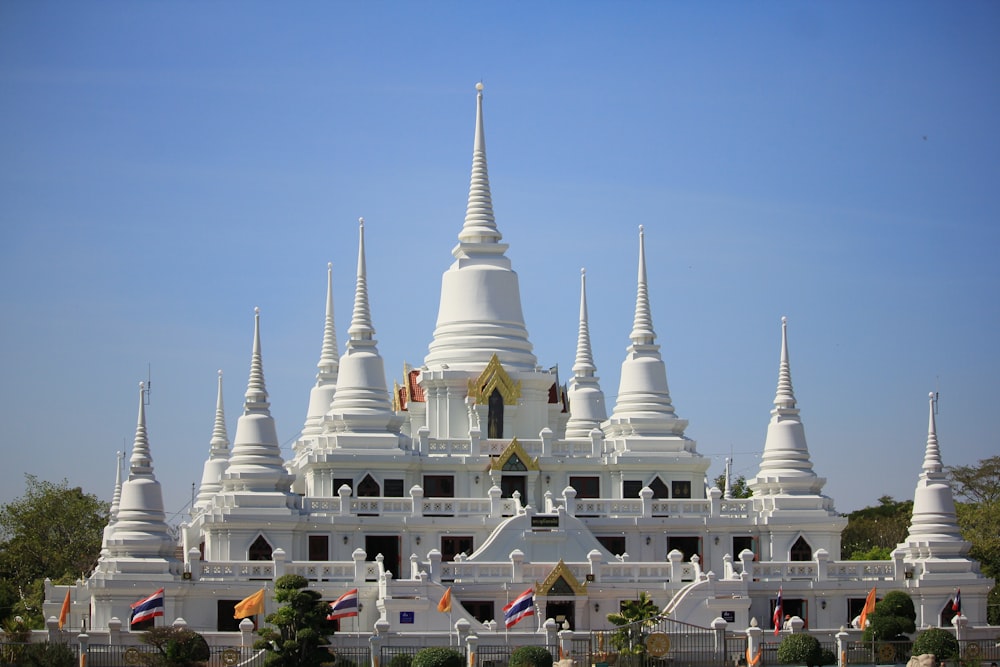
564,614
388,546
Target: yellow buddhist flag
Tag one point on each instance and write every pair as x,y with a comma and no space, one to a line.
444,605
869,606
250,606
64,612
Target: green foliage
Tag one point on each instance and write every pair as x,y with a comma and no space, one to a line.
827,657
530,656
892,619
879,527
800,649
300,628
938,641
51,531
737,487
634,621
438,656
401,660
177,647
875,553
48,654
979,519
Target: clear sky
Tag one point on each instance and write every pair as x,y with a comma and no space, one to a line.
165,167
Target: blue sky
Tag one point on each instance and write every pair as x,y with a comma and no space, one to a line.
166,167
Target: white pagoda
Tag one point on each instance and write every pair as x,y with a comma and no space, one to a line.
479,472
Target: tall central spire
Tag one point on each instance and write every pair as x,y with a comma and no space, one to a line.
480,225
480,310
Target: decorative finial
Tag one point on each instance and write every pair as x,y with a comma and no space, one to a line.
784,320
219,372
361,221
930,395
256,310
142,385
329,265
479,86
583,272
640,229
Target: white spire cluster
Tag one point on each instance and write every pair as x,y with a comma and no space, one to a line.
934,531
586,400
325,388
785,466
218,455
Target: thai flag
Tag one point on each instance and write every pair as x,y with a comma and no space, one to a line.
956,604
778,613
147,608
344,606
520,607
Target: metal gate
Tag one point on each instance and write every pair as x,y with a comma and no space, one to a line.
658,642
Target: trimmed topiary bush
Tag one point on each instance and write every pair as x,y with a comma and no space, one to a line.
892,619
438,656
800,650
938,641
401,660
176,647
531,656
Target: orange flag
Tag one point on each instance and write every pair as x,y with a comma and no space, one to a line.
64,612
444,605
250,606
869,606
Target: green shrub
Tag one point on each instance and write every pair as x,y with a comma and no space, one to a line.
530,656
48,655
438,656
401,660
800,649
940,642
827,657
176,647
893,618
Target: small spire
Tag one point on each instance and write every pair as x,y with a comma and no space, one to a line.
220,438
932,453
480,225
584,364
727,493
329,358
256,396
141,462
116,498
361,321
642,326
785,397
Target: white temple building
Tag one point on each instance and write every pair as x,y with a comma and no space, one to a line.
480,472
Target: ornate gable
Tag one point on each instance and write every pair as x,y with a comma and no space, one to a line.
494,377
513,455
560,582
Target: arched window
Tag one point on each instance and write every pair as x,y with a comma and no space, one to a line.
801,550
368,488
659,489
259,550
494,420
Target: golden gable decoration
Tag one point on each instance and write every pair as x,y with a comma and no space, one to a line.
510,451
494,377
560,571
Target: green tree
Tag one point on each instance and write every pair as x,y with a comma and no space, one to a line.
937,641
52,531
634,621
738,487
979,519
800,649
894,617
530,656
176,647
300,627
438,656
876,529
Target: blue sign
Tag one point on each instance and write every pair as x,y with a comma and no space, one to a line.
406,617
